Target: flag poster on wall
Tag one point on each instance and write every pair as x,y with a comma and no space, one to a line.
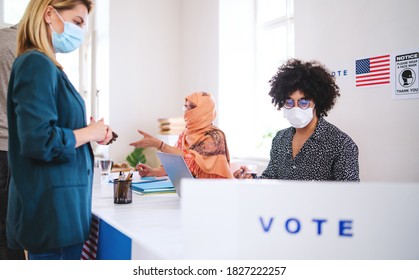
372,71
406,69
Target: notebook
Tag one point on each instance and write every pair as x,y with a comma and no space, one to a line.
176,169
153,185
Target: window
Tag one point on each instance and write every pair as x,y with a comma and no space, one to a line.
274,45
252,47
11,11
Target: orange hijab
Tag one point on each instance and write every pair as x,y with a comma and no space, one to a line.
202,139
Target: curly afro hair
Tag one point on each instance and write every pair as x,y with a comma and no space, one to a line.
311,78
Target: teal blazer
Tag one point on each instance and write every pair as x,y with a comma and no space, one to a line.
51,181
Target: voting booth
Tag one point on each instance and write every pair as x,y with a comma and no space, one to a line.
270,219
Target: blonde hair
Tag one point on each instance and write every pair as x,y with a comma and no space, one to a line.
33,33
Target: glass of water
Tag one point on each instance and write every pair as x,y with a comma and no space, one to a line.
105,166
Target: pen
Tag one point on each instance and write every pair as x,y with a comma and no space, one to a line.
140,168
129,177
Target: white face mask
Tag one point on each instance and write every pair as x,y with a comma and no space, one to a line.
298,117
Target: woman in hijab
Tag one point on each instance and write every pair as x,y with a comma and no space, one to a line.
202,144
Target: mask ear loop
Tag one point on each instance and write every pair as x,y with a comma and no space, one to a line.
50,26
62,20
58,14
59,18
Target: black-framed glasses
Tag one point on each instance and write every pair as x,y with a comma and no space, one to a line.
302,103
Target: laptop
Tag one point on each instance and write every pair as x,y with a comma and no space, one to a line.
176,169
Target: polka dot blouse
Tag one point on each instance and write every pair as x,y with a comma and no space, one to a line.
328,155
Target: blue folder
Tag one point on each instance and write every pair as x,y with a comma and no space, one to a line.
153,186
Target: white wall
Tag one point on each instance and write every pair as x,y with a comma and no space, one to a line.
339,32
160,52
199,46
237,71
144,68
171,49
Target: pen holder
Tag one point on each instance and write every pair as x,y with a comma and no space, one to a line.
122,191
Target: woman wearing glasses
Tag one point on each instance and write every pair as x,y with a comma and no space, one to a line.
312,148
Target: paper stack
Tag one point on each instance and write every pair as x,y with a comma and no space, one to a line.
153,185
173,125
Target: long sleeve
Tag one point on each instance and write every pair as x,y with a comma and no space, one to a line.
346,167
35,108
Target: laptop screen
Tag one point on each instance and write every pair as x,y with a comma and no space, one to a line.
175,167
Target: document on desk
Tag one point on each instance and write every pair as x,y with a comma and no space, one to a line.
145,180
156,185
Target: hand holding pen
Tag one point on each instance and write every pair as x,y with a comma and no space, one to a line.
143,169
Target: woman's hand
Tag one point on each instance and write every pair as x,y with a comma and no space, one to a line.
147,171
147,141
144,170
97,129
242,173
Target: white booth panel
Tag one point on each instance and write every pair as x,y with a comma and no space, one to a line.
270,219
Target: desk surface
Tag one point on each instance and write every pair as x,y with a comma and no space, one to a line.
153,221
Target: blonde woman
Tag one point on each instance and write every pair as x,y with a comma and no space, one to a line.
50,156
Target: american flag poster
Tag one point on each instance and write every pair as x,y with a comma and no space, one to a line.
372,71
